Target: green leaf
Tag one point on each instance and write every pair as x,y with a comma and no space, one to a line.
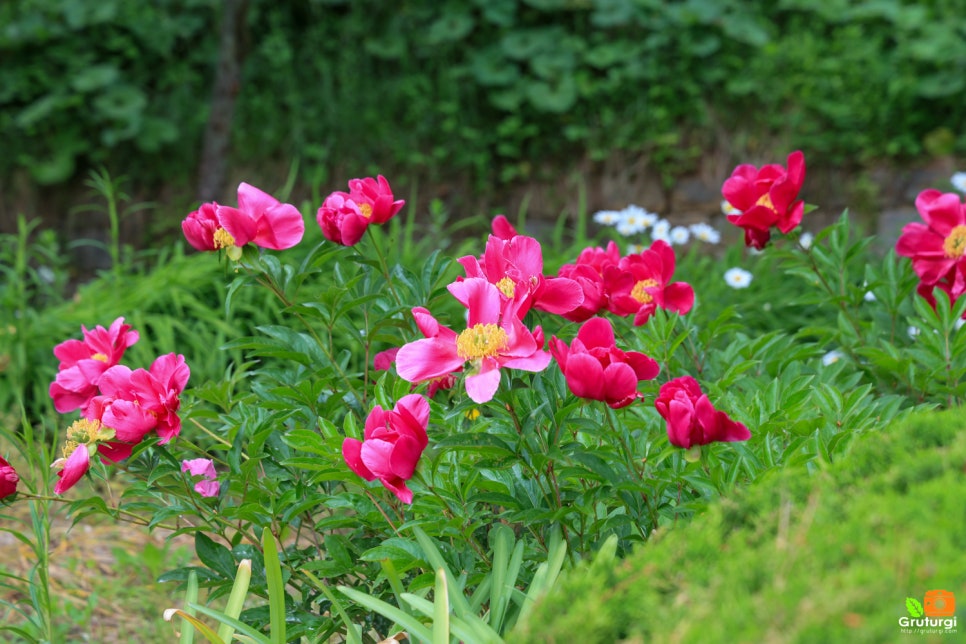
214,555
914,607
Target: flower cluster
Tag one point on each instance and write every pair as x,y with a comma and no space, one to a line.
498,291
119,406
937,247
634,220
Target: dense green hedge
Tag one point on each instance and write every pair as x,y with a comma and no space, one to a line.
489,87
829,556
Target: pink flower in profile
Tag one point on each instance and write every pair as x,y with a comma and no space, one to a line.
83,439
83,362
640,284
375,199
344,217
516,265
494,338
204,468
692,419
766,198
8,479
595,368
936,247
588,272
259,219
392,443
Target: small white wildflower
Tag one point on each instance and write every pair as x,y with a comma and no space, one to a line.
679,235
913,331
869,296
805,241
832,357
728,209
634,219
737,277
607,217
661,231
706,233
959,181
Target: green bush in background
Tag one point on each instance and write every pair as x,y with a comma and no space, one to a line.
493,89
826,556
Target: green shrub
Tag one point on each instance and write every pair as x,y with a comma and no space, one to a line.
825,556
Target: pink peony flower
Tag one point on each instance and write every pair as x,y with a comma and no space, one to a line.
936,247
84,437
516,265
8,479
205,468
494,338
344,217
591,284
82,363
72,468
137,402
375,199
384,360
595,368
766,197
640,284
692,419
392,443
341,219
259,219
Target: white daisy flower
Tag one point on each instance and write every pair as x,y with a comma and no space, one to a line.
634,219
913,331
607,217
832,357
661,230
706,233
728,209
959,181
679,235
737,277
805,241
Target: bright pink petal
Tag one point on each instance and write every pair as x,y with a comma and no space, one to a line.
619,385
426,359
74,468
585,376
482,386
352,453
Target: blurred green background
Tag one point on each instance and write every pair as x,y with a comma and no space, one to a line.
470,101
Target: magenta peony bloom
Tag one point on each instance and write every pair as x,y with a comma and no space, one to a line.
344,217
205,468
341,219
936,247
692,419
8,479
595,368
82,363
516,265
766,197
72,469
392,443
375,199
137,402
640,284
83,438
259,219
494,338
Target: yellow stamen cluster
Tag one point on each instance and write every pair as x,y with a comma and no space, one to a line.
223,239
84,430
507,286
765,200
366,210
99,357
640,294
954,246
481,341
